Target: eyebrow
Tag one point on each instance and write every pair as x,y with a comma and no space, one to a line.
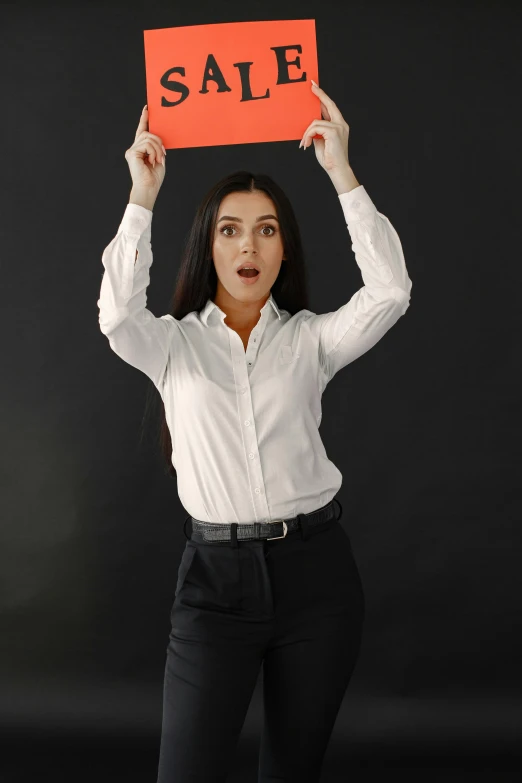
239,220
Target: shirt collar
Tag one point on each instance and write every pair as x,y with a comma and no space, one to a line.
210,306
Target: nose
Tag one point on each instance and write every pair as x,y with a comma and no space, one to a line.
248,244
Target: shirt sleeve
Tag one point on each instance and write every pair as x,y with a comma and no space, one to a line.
134,333
345,334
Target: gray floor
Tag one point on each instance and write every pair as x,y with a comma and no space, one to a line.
58,759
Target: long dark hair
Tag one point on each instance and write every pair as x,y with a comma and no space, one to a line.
197,279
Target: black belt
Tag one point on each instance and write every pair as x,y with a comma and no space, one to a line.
259,531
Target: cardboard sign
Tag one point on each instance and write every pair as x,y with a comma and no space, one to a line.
231,83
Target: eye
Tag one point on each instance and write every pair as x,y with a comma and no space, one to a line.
267,225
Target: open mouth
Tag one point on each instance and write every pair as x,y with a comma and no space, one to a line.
248,272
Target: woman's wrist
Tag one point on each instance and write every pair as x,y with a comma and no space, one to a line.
142,198
344,180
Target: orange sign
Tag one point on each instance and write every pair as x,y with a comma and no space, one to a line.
231,83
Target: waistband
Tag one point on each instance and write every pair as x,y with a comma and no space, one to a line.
262,531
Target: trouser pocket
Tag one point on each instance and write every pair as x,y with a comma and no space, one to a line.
184,566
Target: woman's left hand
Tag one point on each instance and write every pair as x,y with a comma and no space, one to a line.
332,150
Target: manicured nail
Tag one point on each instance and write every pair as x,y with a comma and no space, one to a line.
313,82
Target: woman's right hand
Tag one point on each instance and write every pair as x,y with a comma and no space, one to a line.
146,158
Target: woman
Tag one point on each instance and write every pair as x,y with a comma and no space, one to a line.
267,582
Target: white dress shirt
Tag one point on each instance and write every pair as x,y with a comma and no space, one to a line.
245,425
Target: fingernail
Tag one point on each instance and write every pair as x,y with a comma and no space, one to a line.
164,150
313,82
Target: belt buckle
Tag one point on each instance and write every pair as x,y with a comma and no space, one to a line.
285,528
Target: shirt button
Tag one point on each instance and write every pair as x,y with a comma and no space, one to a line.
357,203
247,423
242,390
257,490
251,455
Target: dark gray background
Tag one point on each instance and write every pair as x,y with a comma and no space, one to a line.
424,427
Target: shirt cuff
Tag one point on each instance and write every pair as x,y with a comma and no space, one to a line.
136,220
356,204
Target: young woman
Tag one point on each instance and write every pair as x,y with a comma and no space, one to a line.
267,582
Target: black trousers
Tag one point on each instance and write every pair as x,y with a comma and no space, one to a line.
294,606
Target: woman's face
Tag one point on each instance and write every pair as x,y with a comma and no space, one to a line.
245,233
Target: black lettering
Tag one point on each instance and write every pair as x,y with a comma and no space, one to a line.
282,64
214,75
175,86
246,90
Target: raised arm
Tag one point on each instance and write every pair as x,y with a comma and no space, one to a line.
346,333
356,326
134,333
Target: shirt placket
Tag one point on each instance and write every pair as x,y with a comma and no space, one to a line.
243,365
